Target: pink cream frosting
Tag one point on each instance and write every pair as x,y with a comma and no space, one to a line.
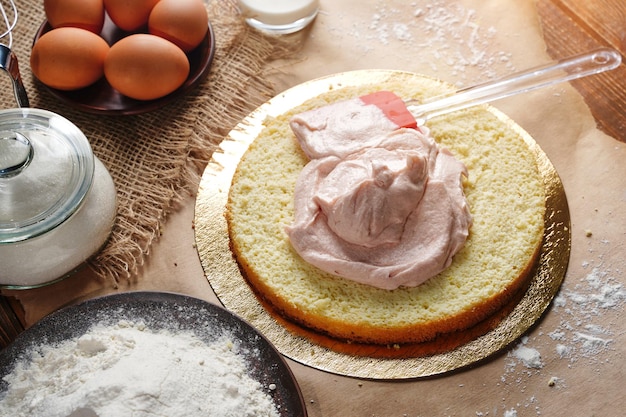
377,204
341,128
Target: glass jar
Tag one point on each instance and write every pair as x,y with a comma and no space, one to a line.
57,200
279,17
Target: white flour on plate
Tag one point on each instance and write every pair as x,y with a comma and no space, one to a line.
128,369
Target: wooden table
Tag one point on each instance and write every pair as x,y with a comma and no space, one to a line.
569,26
572,26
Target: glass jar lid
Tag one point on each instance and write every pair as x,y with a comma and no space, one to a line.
46,170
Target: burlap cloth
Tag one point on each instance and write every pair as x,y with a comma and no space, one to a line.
157,157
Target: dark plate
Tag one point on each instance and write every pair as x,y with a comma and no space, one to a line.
165,311
101,98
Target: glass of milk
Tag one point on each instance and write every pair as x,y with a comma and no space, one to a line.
279,16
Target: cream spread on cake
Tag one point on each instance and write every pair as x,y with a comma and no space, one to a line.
341,128
377,204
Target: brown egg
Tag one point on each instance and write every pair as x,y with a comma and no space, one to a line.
68,58
84,14
183,22
129,15
145,67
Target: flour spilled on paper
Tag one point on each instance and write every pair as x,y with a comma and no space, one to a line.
578,337
593,295
446,35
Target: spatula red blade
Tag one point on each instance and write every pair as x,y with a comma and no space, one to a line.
392,106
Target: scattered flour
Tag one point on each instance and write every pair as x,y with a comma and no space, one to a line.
447,35
522,355
586,307
127,369
578,338
529,357
598,292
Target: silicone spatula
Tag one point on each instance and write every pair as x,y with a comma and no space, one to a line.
411,114
392,106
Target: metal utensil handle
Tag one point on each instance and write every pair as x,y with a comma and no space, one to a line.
8,60
8,63
577,66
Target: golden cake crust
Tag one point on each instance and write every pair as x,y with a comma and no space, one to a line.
506,196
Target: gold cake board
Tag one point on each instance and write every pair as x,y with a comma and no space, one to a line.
446,353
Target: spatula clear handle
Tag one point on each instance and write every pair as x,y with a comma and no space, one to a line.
577,66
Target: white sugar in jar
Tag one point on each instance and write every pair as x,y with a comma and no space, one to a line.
57,200
279,16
